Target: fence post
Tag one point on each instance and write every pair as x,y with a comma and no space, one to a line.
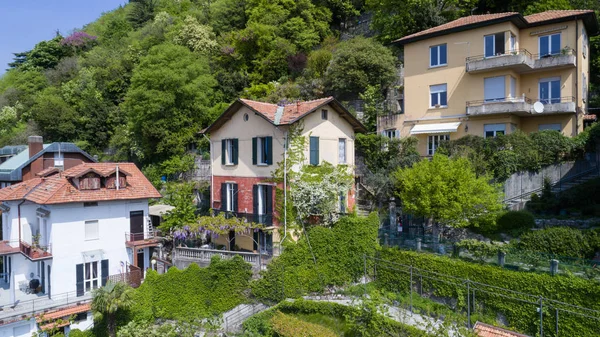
419,244
385,240
556,322
553,267
411,290
501,258
365,277
541,316
468,305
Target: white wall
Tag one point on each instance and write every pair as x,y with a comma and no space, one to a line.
83,325
18,329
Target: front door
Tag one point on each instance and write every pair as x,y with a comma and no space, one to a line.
140,259
136,225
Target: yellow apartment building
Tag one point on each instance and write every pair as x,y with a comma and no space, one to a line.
491,74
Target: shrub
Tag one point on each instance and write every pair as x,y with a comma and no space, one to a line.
288,326
79,333
515,220
557,240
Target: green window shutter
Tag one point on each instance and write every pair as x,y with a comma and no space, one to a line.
223,146
235,198
255,199
223,196
254,142
269,200
269,150
235,151
314,150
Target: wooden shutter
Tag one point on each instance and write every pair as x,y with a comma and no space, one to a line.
269,200
223,152
79,279
269,150
104,271
235,197
223,196
255,201
314,150
235,151
254,150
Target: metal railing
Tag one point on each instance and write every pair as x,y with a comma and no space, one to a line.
133,277
518,99
35,251
263,219
24,309
205,255
515,52
555,100
563,52
131,237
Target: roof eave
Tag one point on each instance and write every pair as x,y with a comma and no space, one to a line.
226,115
589,20
342,111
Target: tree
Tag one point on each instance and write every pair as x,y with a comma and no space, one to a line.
109,300
168,101
446,191
141,11
227,15
198,38
181,196
357,64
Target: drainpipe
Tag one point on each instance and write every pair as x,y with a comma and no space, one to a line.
19,217
210,149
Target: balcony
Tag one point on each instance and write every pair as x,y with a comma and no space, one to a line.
203,256
33,252
263,219
511,105
559,105
141,240
565,59
518,60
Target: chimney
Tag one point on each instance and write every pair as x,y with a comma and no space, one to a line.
297,106
36,144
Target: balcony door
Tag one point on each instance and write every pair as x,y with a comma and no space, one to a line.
136,225
549,91
494,89
494,44
263,203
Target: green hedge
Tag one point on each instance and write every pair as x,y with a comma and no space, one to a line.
562,241
515,220
520,315
289,326
260,325
194,292
339,253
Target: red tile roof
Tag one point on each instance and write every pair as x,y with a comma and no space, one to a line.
473,21
486,330
464,21
556,14
47,172
65,312
589,117
58,188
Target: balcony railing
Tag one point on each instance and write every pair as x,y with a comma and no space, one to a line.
35,251
559,104
205,255
519,60
263,219
501,105
129,237
133,277
565,58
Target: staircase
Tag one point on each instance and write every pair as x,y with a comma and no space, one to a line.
150,229
364,204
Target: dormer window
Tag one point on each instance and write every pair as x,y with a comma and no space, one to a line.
90,181
111,181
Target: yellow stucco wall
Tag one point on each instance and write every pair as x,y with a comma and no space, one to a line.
463,87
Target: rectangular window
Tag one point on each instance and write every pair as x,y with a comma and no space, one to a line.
513,87
262,199
314,150
513,43
493,130
342,151
438,55
433,142
229,151
229,197
59,159
90,204
342,202
438,95
549,90
324,114
92,231
494,44
391,133
493,89
584,89
549,45
91,276
555,127
262,151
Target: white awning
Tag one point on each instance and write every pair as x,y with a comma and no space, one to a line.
93,255
434,128
159,210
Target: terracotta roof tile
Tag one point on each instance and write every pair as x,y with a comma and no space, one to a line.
47,172
556,14
464,21
58,189
589,117
64,312
291,112
486,330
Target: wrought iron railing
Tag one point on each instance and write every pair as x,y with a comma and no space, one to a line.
520,99
133,276
263,219
563,52
507,53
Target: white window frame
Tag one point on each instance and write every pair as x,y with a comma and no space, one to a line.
342,150
436,89
550,126
90,283
228,151
91,230
261,153
391,133
438,54
433,142
502,97
548,80
59,159
513,42
495,129
229,197
262,199
324,114
513,87
549,44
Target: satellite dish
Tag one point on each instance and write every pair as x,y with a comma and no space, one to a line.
538,107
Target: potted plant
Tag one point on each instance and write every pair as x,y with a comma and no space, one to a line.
36,240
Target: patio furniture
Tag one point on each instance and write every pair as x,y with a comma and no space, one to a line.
21,280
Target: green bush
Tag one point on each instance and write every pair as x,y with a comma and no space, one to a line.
79,333
338,252
288,326
515,220
557,240
492,301
194,292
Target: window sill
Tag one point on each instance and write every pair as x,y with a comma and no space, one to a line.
86,240
441,107
438,66
229,165
262,164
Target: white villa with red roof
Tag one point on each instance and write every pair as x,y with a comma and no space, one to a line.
65,234
247,142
